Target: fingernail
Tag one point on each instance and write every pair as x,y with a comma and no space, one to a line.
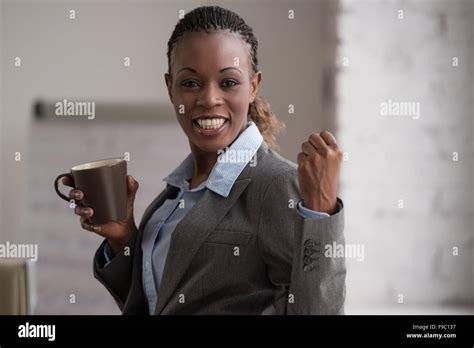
85,211
77,195
97,228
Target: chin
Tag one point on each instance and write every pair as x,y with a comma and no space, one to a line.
211,145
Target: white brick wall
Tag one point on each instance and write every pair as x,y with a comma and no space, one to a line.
407,251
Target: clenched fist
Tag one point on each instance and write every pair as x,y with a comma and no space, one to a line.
318,172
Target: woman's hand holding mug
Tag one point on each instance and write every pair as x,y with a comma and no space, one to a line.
117,233
103,196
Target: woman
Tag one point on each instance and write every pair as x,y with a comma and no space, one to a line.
238,229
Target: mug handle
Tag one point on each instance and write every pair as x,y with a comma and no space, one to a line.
66,198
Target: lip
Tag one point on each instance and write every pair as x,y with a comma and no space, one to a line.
209,132
211,116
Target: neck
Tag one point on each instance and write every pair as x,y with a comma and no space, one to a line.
204,162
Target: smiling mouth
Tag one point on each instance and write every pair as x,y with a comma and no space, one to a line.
210,123
210,127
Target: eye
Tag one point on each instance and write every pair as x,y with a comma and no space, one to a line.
233,83
190,84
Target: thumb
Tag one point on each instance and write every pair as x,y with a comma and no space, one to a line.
132,188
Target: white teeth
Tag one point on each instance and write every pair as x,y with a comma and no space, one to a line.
213,123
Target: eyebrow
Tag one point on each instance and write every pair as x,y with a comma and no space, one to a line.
221,71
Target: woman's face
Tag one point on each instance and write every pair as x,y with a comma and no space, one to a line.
211,88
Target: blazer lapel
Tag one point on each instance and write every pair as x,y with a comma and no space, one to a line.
168,192
191,232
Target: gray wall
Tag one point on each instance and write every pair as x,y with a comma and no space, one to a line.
82,59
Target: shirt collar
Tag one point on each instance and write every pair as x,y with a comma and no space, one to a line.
230,164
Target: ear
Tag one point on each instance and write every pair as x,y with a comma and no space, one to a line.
169,85
254,84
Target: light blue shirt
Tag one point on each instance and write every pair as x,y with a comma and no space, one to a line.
157,231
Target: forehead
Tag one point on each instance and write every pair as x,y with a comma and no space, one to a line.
214,50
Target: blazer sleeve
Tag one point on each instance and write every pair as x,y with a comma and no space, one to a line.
115,275
293,249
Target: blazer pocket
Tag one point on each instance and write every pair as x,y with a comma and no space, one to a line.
228,237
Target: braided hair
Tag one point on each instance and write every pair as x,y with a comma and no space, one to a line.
214,18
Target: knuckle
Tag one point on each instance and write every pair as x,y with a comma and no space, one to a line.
85,224
75,194
301,166
83,211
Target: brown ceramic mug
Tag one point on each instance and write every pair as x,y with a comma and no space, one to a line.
104,184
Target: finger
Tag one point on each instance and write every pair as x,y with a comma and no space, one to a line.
67,181
308,149
329,138
301,158
86,224
84,211
76,194
132,185
317,141
132,188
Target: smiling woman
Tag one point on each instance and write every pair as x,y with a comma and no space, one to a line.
213,65
210,97
236,236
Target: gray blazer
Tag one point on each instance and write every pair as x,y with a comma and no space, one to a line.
249,253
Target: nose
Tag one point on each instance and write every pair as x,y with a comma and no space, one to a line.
209,97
